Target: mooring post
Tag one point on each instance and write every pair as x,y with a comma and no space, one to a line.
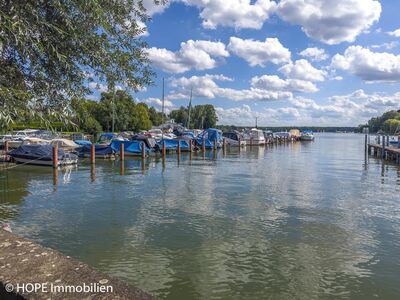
55,156
223,144
379,139
190,145
6,146
387,141
122,151
92,154
215,145
383,147
239,144
204,145
178,147
164,150
366,143
92,173
143,151
55,176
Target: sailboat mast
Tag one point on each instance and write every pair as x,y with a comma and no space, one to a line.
190,107
162,111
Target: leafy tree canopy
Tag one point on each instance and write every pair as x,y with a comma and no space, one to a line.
49,49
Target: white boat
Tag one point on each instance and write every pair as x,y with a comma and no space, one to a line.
65,144
254,137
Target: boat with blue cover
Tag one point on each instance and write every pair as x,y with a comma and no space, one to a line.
209,136
42,155
131,148
101,151
172,145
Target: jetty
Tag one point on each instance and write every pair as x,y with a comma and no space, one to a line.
382,148
30,271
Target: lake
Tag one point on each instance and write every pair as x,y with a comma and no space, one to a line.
297,221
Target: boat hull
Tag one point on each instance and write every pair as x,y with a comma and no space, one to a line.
49,163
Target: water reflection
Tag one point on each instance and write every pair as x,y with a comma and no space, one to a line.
288,221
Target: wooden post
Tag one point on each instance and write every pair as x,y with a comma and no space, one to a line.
178,147
223,144
122,151
143,151
239,144
55,176
204,145
387,141
164,150
190,146
55,156
215,145
6,146
92,173
366,144
383,147
92,154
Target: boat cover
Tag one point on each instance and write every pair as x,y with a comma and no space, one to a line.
99,150
129,146
210,135
82,142
36,151
173,144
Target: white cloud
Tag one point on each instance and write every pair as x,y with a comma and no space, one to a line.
331,22
259,53
395,33
233,13
301,69
368,65
343,110
388,46
157,104
152,8
102,88
206,86
273,82
315,54
192,55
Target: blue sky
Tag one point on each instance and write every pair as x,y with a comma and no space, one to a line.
288,62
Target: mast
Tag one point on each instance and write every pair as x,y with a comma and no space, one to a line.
190,107
256,121
162,111
113,110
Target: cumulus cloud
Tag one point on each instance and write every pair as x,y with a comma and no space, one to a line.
331,22
157,104
301,69
368,65
395,33
258,52
315,54
233,13
274,82
199,55
206,86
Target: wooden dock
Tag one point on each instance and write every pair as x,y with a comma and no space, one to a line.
385,152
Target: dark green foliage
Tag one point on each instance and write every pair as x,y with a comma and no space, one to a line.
201,116
49,47
389,123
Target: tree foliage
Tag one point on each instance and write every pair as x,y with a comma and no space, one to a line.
387,123
49,49
201,116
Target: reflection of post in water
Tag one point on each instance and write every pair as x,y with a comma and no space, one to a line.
142,164
122,167
163,162
55,176
92,172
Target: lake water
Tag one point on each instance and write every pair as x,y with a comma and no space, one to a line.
298,221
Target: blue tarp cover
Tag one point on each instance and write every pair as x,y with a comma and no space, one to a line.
83,142
99,150
129,146
173,144
210,135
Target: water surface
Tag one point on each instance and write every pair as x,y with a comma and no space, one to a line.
297,221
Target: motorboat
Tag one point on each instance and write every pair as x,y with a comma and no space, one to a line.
172,145
100,151
307,136
107,138
254,137
39,154
209,137
131,148
35,141
234,138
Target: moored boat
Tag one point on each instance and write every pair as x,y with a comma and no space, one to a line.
37,154
307,136
254,137
209,136
234,138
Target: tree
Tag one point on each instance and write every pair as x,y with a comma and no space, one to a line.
141,120
201,116
49,48
179,115
392,126
84,115
156,117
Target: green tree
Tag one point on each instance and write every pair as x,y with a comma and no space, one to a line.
179,115
84,116
141,119
201,116
48,48
156,117
392,126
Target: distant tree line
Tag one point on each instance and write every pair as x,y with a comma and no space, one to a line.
201,116
287,128
388,123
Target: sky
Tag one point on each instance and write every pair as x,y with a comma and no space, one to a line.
286,62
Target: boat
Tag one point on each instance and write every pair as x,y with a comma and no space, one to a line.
234,138
254,137
65,144
37,154
35,141
100,151
131,148
282,134
172,145
307,136
107,138
294,134
209,136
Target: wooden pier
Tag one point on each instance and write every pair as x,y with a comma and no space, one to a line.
383,149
